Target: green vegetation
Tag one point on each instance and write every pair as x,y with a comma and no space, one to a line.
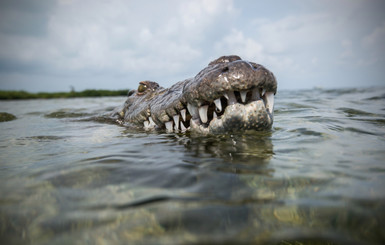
20,95
5,117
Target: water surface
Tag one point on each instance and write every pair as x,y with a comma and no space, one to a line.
317,178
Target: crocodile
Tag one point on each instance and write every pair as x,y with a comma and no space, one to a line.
230,94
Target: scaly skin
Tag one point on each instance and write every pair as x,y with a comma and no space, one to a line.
230,94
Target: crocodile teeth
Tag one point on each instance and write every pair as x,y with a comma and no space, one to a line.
218,104
215,114
176,122
182,127
243,96
263,92
152,124
231,98
270,101
193,110
183,114
169,126
146,124
203,113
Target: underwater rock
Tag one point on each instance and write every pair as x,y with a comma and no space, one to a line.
5,117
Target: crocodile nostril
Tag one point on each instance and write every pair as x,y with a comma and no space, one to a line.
225,69
255,66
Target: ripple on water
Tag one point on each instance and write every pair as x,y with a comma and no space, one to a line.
67,113
316,178
351,112
380,97
37,139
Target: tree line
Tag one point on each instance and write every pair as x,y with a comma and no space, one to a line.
18,95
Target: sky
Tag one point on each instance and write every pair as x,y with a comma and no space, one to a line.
53,45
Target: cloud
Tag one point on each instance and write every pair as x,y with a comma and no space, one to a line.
289,46
25,17
117,37
236,42
374,44
304,43
347,46
314,47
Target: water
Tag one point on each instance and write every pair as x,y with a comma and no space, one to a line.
317,178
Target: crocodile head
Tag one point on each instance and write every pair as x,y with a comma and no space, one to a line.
230,94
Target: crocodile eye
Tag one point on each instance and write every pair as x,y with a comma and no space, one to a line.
142,88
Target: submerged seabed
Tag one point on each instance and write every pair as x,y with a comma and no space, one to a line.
317,178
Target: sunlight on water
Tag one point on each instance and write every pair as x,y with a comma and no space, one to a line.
68,176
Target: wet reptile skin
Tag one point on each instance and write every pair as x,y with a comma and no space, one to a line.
186,102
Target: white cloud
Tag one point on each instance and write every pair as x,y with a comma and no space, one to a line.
376,37
294,32
252,49
84,35
236,43
347,46
307,46
374,44
168,40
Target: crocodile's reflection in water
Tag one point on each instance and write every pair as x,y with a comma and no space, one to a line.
211,192
235,153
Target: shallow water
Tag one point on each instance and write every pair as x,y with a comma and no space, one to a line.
317,178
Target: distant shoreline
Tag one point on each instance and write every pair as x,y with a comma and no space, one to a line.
21,95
